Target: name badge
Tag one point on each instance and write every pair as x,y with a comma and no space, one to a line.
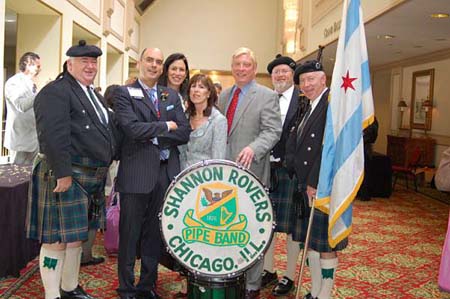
170,107
135,92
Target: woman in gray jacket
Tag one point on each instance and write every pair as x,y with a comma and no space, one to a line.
208,138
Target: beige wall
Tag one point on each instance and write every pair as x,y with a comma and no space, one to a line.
381,88
208,32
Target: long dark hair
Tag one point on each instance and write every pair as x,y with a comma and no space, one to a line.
163,80
206,81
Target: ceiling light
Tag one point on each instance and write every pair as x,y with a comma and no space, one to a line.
439,15
388,36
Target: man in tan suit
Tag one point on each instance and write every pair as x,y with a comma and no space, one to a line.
254,127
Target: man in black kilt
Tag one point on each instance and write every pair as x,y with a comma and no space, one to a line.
282,188
305,154
77,143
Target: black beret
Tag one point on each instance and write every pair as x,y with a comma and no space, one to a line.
83,50
281,60
307,67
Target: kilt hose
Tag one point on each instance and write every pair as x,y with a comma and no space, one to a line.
60,217
319,233
283,206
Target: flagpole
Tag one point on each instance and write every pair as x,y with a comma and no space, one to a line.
305,249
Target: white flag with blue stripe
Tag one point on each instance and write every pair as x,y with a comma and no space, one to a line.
350,110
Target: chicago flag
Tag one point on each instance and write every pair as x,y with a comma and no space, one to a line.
350,110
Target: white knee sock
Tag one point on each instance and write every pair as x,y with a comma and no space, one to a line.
268,256
50,265
316,272
71,269
293,249
329,267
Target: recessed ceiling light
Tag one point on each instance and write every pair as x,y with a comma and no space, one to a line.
439,15
388,36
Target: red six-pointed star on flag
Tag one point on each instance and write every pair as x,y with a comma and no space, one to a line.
347,82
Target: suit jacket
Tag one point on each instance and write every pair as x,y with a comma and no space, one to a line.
140,155
256,123
67,125
306,153
280,148
209,141
20,133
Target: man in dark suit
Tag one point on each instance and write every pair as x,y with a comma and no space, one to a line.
306,145
153,123
77,143
282,70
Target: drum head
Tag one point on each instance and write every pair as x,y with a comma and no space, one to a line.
217,219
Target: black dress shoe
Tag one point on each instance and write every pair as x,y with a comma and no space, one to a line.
268,278
151,295
309,296
251,294
284,286
93,261
78,293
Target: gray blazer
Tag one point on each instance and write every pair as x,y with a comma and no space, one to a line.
20,132
256,123
206,142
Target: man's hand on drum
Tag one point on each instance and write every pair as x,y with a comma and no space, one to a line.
311,194
245,157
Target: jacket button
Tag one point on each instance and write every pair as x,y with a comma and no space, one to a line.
309,148
313,135
84,111
305,162
87,127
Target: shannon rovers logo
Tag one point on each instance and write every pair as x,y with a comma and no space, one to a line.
215,217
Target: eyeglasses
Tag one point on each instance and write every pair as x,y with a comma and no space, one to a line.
281,72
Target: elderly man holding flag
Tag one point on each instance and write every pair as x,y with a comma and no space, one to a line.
349,111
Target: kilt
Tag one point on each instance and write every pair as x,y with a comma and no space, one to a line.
319,233
60,217
281,198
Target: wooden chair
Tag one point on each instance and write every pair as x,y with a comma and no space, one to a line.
409,170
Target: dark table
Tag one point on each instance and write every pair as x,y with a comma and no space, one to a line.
15,250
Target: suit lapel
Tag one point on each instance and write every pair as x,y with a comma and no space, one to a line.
162,104
146,100
293,106
242,106
312,118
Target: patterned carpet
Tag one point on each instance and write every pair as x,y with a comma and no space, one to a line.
394,252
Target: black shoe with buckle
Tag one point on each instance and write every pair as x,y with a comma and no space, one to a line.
284,286
78,293
268,278
309,296
93,261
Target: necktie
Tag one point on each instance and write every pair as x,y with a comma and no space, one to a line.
154,98
163,154
232,108
97,107
280,95
34,88
303,123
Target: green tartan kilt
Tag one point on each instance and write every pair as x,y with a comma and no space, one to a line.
281,198
319,233
59,217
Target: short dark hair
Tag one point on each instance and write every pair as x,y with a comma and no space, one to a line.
163,80
26,59
205,80
109,95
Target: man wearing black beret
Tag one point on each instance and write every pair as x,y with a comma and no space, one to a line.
281,70
77,144
306,145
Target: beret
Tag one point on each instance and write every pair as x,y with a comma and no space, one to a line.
281,60
307,67
83,50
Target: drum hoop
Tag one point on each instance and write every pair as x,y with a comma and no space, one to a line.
171,186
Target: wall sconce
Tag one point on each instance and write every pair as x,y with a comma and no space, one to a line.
427,106
402,106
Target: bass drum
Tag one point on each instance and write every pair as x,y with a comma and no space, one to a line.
216,220
216,288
